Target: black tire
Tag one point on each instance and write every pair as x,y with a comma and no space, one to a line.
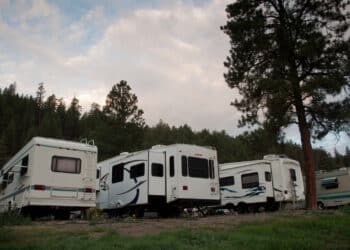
242,208
252,208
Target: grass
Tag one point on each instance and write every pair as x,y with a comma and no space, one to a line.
13,218
330,230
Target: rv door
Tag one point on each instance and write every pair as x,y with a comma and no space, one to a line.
156,173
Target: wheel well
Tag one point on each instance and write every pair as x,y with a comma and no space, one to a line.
230,205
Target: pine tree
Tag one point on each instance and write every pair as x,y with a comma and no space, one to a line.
286,59
121,105
71,129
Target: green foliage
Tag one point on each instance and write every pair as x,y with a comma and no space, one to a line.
324,231
290,62
121,105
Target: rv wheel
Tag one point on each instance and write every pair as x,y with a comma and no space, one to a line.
231,208
241,208
320,205
252,209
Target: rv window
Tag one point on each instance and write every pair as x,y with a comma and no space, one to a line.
172,167
184,165
97,174
292,174
267,176
330,183
250,180
157,169
5,180
137,170
211,169
24,168
198,167
25,160
227,181
66,165
118,173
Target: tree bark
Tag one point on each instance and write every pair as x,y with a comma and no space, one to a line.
311,200
309,167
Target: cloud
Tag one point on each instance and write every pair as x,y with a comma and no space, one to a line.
172,57
170,52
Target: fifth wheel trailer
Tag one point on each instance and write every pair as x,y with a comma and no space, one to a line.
333,188
161,178
49,176
267,183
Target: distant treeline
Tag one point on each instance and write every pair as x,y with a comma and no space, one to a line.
118,127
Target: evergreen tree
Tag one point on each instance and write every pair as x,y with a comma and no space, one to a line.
72,120
286,59
40,94
121,105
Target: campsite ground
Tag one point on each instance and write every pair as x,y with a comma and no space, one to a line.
280,230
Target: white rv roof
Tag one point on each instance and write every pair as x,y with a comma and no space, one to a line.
267,159
49,142
231,165
179,145
158,148
57,143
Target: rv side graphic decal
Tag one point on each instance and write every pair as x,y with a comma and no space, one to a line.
252,192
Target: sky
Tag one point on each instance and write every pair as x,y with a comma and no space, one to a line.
171,53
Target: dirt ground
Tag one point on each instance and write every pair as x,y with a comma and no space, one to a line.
139,227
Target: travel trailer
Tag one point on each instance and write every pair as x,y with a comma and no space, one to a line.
163,179
261,184
333,188
49,176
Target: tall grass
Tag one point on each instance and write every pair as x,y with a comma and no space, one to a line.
318,231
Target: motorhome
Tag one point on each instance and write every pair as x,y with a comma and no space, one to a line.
333,188
49,176
162,177
261,184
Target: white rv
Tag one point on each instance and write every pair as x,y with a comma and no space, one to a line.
333,188
159,178
49,176
251,185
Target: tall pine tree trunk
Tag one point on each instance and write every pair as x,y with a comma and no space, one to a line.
309,166
307,149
